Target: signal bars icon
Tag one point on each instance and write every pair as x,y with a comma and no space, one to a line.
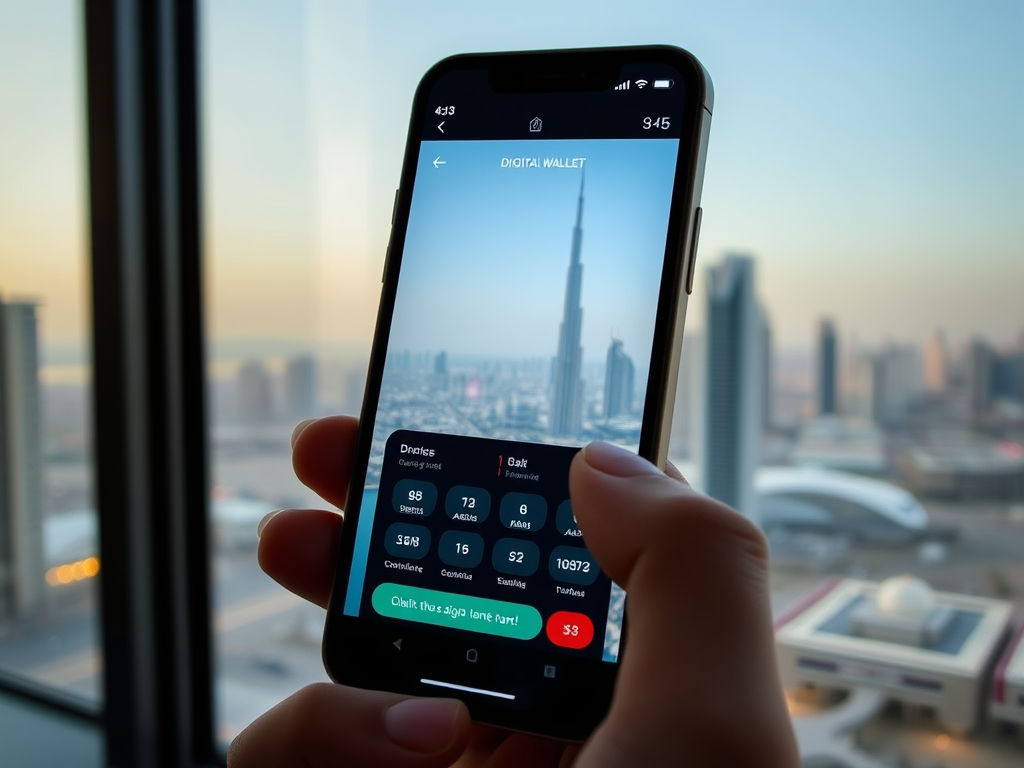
624,85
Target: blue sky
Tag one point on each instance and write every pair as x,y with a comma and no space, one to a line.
488,247
868,154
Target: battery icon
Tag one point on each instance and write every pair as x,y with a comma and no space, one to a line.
663,83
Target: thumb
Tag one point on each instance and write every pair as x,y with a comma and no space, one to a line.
698,681
333,725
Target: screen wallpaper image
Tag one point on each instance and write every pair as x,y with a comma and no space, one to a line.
524,313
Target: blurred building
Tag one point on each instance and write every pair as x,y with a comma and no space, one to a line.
958,464
899,637
827,369
852,445
300,387
728,445
619,374
22,565
767,373
896,384
254,399
936,364
1007,700
981,365
995,385
440,380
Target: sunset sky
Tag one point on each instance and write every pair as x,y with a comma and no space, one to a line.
868,154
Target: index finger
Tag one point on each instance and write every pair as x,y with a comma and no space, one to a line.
322,456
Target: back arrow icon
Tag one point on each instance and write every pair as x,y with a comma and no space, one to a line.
438,162
440,124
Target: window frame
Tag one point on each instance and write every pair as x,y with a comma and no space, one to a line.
148,395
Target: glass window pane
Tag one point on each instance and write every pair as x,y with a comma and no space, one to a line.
49,557
855,182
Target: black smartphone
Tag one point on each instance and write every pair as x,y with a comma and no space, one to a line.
535,286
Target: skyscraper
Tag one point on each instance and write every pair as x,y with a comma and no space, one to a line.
728,447
936,363
300,387
255,402
567,397
21,471
619,373
828,381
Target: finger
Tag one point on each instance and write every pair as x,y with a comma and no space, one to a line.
672,471
331,725
519,750
297,549
322,455
700,657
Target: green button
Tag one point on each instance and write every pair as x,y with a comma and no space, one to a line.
474,614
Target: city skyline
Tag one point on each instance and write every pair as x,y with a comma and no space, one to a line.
878,217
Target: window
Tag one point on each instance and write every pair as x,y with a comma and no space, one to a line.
865,167
48,528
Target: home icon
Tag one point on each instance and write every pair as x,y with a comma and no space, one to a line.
535,125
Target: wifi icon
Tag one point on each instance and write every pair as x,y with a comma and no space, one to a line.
640,83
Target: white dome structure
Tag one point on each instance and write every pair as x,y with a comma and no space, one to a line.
905,596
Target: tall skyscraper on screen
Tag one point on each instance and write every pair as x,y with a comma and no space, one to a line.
619,373
567,395
22,588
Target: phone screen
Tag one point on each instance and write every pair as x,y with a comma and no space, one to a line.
531,269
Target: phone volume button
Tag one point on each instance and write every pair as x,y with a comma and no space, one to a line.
691,261
387,258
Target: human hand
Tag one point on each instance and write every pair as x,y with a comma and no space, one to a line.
697,685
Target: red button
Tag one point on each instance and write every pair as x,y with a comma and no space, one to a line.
570,630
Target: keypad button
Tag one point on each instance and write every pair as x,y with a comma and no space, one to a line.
570,630
573,565
565,521
516,557
407,540
414,497
461,549
467,504
523,511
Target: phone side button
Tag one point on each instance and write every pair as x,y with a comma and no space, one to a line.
387,258
691,262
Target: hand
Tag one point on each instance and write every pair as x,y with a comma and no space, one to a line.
698,683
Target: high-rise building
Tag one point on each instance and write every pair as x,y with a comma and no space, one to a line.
768,373
936,363
22,588
728,446
896,384
300,387
255,401
567,395
440,380
981,365
828,364
619,374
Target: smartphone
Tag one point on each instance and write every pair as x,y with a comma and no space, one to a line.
534,290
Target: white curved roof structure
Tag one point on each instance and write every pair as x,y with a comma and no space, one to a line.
888,500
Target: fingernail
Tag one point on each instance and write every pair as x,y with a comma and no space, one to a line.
299,428
422,725
266,519
617,461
